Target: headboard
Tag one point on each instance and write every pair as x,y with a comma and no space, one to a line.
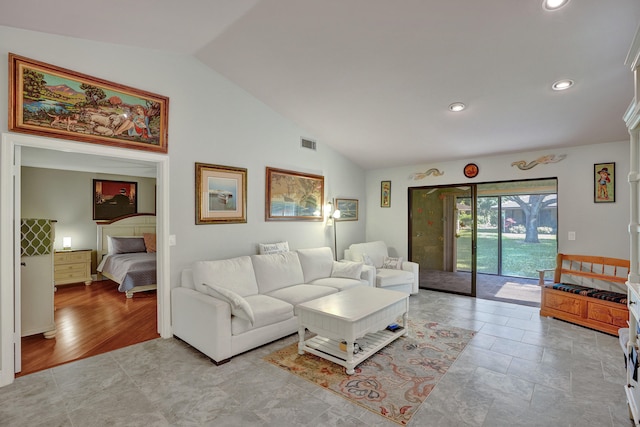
131,225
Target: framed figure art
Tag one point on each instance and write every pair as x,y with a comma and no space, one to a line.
221,194
55,102
604,182
113,199
385,194
293,196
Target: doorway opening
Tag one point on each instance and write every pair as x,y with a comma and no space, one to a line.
502,232
11,160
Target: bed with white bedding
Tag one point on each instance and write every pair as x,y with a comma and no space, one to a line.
126,253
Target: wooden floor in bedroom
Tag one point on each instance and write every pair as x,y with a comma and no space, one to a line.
91,320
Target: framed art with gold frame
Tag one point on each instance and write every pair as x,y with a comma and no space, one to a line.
385,194
221,194
55,102
293,196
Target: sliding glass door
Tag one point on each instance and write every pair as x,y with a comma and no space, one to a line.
458,232
517,227
442,235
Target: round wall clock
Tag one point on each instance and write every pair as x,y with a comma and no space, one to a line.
471,170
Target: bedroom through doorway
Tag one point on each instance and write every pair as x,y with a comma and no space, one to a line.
74,156
91,319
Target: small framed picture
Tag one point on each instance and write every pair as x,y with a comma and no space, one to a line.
348,209
604,182
221,194
385,194
113,199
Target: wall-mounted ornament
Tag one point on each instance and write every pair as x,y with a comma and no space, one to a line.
421,175
549,158
471,170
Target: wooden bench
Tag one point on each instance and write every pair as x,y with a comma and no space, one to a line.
582,292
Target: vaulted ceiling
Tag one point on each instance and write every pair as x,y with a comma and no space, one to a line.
374,78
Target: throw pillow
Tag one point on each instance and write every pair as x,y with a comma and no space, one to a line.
367,259
346,269
149,241
273,248
239,306
392,263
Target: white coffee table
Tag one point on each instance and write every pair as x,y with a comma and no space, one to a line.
362,312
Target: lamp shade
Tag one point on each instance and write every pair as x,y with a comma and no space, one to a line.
66,243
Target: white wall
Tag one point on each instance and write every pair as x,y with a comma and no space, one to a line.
211,121
66,196
601,229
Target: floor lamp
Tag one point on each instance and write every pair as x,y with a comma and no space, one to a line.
334,216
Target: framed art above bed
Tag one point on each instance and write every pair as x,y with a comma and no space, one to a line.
114,199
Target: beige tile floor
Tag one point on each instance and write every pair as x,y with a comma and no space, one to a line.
519,370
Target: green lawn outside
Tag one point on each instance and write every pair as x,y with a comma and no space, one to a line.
518,258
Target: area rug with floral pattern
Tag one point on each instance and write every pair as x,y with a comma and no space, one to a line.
396,380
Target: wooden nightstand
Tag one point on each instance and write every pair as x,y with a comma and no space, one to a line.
72,267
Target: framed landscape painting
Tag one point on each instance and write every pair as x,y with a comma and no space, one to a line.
293,196
348,209
55,102
113,199
221,194
604,182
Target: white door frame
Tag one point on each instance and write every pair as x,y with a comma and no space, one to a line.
10,246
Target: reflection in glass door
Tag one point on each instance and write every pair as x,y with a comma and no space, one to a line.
442,236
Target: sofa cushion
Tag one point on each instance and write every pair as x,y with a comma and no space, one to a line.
602,294
235,274
375,250
301,293
338,283
389,277
239,306
266,311
366,259
316,263
346,269
277,271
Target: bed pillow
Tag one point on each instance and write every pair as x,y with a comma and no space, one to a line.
346,269
239,306
125,245
149,241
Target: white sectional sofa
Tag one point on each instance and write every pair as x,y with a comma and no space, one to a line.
226,307
390,273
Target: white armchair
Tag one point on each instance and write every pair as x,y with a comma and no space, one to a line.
405,279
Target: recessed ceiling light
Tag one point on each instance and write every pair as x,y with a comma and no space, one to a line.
457,106
562,84
554,4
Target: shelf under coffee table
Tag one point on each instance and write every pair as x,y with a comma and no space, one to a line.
361,314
